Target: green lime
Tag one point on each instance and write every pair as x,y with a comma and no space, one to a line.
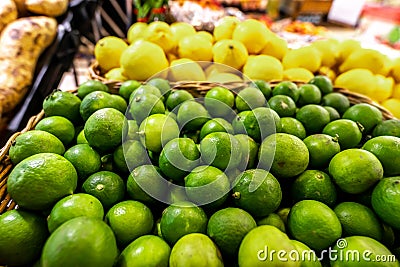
59,126
347,132
177,97
322,148
129,220
258,192
93,239
219,101
107,186
93,102
162,84
249,151
323,83
249,98
130,131
388,237
386,149
313,117
258,123
287,88
107,163
127,87
176,194
355,170
221,150
257,245
385,201
207,185
363,251
80,138
146,89
293,126
274,220
268,122
358,220
314,223
36,173
178,157
366,114
227,228
215,125
144,105
85,159
65,104
315,185
195,249
283,213
129,155
103,129
264,87
23,235
34,142
285,154
147,250
90,86
182,218
157,130
338,101
333,113
192,115
309,94
388,127
118,102
74,206
283,105
146,184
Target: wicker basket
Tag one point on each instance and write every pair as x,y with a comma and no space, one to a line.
198,89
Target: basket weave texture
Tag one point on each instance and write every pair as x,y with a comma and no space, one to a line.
197,89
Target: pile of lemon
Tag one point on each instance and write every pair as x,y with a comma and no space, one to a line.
250,47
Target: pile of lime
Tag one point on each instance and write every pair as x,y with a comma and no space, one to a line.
283,174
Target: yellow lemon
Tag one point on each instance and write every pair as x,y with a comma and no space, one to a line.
330,73
396,91
107,52
158,32
196,48
143,59
346,47
328,50
181,29
219,68
276,47
263,67
224,27
115,74
185,69
136,31
230,52
360,81
297,74
393,105
224,77
384,88
253,34
307,57
206,35
365,58
396,70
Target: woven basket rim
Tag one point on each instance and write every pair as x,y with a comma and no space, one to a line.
198,88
